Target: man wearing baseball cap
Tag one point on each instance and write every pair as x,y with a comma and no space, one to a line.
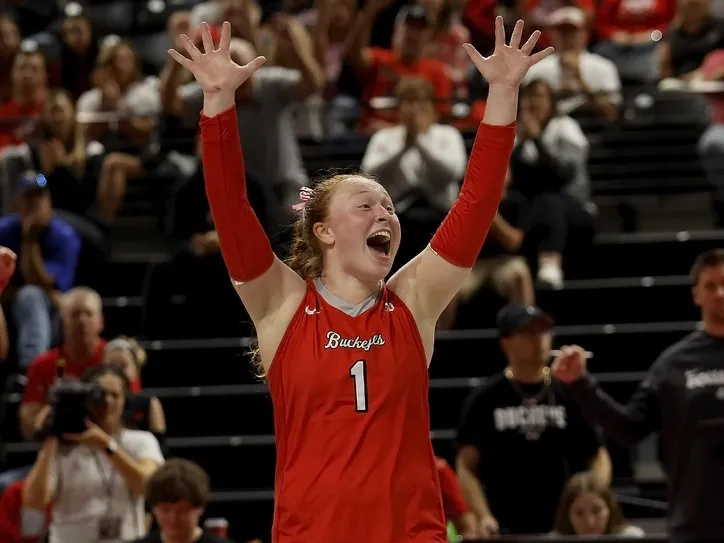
47,250
588,84
521,436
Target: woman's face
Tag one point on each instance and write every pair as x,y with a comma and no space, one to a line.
9,38
77,34
123,360
112,413
538,101
589,514
59,117
124,64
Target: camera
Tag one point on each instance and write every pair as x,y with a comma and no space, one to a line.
71,402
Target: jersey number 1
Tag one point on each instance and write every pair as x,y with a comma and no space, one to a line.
358,372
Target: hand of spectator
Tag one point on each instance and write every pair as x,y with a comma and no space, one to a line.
509,63
205,244
8,260
31,226
41,418
529,125
215,72
571,60
570,364
94,437
488,527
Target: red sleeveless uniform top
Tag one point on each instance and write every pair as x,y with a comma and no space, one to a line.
354,459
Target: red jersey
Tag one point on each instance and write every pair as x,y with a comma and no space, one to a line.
354,459
453,501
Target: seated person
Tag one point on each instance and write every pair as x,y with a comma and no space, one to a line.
48,250
588,508
549,164
18,522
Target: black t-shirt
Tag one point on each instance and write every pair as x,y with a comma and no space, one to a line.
531,439
514,208
155,537
688,50
682,398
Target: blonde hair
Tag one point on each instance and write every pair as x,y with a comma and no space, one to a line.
129,345
77,155
76,292
305,254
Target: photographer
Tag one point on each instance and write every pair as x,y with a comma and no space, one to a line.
95,479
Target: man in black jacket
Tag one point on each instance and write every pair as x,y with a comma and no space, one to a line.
682,398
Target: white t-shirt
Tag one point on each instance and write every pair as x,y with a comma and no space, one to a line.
599,73
141,99
87,489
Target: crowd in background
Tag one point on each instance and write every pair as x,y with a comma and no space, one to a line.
85,112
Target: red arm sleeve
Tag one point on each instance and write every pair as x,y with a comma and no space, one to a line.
244,244
462,234
453,502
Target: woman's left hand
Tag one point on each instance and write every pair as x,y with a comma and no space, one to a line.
93,437
509,63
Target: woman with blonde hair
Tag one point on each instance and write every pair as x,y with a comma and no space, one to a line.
589,508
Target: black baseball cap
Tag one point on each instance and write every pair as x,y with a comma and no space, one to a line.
413,13
515,317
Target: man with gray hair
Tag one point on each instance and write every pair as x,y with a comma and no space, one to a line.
81,315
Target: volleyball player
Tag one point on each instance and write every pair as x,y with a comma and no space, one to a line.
345,353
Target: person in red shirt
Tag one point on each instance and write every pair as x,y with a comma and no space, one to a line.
456,508
381,69
82,321
346,353
19,114
20,524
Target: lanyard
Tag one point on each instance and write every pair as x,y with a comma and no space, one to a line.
107,481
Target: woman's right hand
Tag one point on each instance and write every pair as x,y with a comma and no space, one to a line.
214,70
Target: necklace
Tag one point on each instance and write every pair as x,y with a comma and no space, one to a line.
529,399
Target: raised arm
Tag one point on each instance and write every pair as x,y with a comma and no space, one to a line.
431,280
264,284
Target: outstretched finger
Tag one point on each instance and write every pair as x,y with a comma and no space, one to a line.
178,57
225,42
193,51
540,55
517,34
207,39
499,33
474,55
255,64
530,43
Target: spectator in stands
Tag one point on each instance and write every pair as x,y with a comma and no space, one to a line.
59,150
457,511
419,162
82,321
693,34
18,522
264,111
47,249
330,24
381,69
711,143
142,412
9,46
588,508
96,480
587,84
19,113
539,13
178,493
79,52
626,29
133,103
680,400
518,415
550,169
501,264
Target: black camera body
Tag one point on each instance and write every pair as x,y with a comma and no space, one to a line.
71,402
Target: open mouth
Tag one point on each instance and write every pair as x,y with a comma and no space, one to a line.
380,242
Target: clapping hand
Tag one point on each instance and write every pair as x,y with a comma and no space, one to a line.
570,364
509,63
214,70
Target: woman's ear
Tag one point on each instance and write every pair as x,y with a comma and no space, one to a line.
323,233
